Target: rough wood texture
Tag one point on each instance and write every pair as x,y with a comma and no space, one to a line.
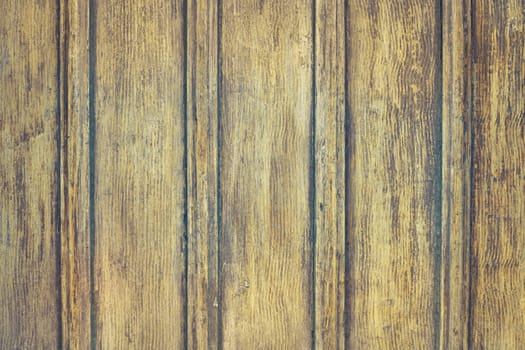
457,161
74,176
265,185
498,264
203,264
29,297
139,175
329,174
245,174
393,174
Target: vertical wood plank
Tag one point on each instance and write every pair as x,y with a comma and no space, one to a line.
203,297
29,240
139,146
74,182
265,174
498,264
393,174
329,174
457,161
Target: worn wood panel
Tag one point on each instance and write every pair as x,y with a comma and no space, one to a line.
203,263
139,199
329,287
74,176
266,185
393,174
29,255
498,263
457,161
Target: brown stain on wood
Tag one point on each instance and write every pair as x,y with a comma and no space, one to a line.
262,174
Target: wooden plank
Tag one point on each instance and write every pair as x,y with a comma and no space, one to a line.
202,104
498,264
140,281
457,161
29,240
265,182
329,174
393,174
74,181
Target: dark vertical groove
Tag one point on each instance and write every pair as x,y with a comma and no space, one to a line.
472,129
58,169
346,181
447,177
445,258
92,138
185,328
313,194
218,172
439,179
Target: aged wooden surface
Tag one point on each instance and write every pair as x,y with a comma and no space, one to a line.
202,172
139,184
393,174
329,206
265,180
262,174
29,232
498,262
74,175
457,162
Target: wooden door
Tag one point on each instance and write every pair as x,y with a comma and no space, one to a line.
266,174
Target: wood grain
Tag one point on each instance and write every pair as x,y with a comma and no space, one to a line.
262,174
457,161
74,176
265,129
393,174
498,262
329,174
139,146
203,263
29,213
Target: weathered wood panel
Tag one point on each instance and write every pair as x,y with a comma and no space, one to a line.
75,271
139,147
265,182
177,174
203,258
329,206
457,161
29,232
498,262
393,174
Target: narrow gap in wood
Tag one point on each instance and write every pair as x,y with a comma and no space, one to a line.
92,136
218,271
446,197
62,93
185,327
471,17
438,178
313,194
346,315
